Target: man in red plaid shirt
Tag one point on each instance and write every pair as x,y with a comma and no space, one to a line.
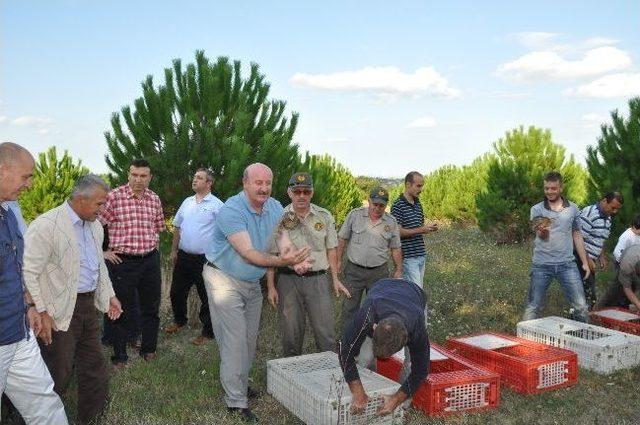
133,218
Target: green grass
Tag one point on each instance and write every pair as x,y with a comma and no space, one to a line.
472,285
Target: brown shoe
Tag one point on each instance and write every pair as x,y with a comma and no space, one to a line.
174,328
201,340
149,357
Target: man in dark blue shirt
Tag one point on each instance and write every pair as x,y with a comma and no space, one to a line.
393,316
23,374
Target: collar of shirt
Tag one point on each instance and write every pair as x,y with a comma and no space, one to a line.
565,203
384,217
208,198
129,193
602,213
75,219
415,200
313,209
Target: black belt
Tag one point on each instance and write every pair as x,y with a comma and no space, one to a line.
286,270
368,268
137,256
85,294
188,254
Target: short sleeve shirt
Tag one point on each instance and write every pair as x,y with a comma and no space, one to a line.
196,221
410,216
134,224
629,266
558,248
317,231
368,245
236,215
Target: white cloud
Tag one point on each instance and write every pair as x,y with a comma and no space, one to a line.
592,42
609,86
31,121
383,81
594,118
543,65
533,40
422,122
509,95
2,118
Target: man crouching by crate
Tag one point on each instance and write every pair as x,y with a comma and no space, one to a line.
392,316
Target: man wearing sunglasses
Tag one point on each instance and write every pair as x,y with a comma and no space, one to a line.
308,290
370,236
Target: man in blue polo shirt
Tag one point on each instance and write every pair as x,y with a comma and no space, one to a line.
556,222
408,212
192,231
24,376
236,261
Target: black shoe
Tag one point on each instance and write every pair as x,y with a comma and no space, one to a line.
245,414
251,393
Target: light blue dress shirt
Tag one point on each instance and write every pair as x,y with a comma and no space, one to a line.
15,207
196,222
237,216
89,261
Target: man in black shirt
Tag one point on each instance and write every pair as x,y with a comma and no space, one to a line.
393,316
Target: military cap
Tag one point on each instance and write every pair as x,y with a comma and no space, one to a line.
379,194
300,180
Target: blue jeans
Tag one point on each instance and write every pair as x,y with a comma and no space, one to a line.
570,283
413,269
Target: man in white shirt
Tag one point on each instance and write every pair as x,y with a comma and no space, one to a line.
193,227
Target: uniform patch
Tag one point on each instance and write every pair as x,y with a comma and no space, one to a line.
300,178
318,226
387,228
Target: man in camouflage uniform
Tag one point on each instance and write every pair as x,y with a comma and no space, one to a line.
306,289
370,235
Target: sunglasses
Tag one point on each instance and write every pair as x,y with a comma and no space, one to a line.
299,192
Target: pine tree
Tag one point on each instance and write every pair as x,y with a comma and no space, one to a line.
205,114
53,180
613,164
514,181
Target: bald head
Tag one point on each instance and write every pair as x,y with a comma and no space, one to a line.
11,153
16,170
256,182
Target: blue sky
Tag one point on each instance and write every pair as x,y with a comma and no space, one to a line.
384,87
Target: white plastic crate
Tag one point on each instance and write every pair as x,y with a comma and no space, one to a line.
599,349
313,388
624,316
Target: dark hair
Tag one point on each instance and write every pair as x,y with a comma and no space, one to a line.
208,172
610,196
635,223
389,337
410,176
553,176
140,163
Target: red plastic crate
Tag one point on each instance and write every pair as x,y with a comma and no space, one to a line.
620,319
525,366
453,384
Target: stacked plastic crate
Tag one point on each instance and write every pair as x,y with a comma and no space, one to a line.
525,366
617,318
312,387
453,384
599,349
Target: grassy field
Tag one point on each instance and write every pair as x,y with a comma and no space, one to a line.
472,286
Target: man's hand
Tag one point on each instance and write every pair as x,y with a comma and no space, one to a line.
592,264
302,268
292,257
35,321
115,309
338,288
272,296
359,403
603,262
587,270
112,257
398,273
48,326
390,402
174,257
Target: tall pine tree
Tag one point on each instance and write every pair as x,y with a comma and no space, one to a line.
613,164
203,115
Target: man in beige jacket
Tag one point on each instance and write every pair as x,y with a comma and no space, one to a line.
66,275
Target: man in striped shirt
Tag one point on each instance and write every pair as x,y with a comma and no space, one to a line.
595,226
408,212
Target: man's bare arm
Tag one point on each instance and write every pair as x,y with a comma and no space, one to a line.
241,242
